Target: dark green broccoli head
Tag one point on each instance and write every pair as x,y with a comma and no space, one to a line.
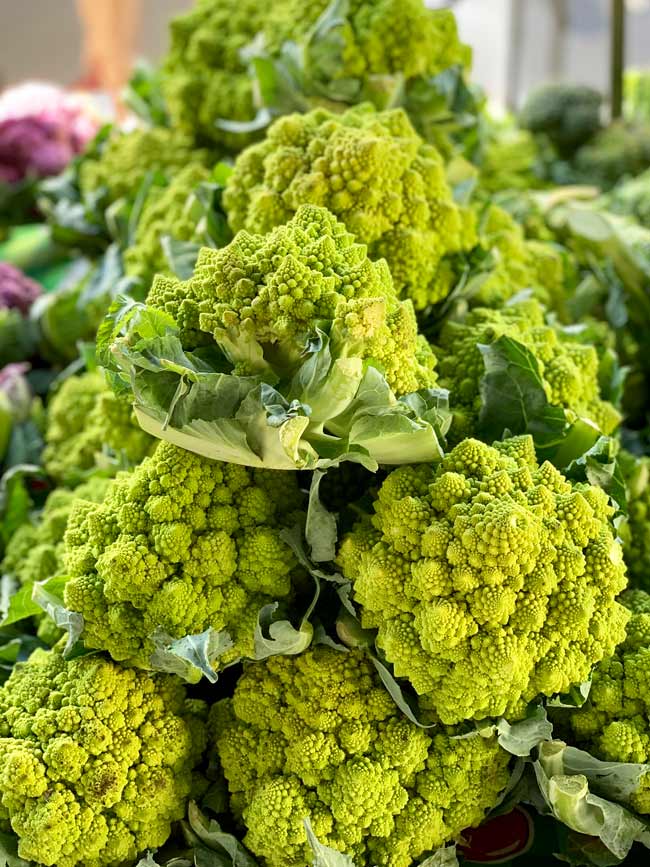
569,114
622,150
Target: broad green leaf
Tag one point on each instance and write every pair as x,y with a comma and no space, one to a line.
181,255
9,851
280,637
19,604
210,834
512,392
600,466
521,737
324,856
568,795
48,595
191,657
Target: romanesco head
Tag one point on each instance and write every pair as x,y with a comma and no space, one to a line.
318,736
180,544
614,723
129,156
370,169
277,288
35,550
491,580
166,211
204,76
569,369
510,263
85,422
96,760
206,80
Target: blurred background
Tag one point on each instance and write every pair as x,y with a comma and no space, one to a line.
518,44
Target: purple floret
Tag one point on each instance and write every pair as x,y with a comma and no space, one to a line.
17,290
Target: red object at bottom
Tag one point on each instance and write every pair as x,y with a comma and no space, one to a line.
500,839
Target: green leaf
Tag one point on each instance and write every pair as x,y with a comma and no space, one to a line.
324,856
143,95
404,703
210,834
569,798
48,595
190,657
15,498
444,857
320,528
283,638
600,466
20,604
521,737
512,394
9,852
181,255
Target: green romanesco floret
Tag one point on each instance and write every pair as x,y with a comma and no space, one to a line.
381,42
568,114
614,723
569,369
274,290
635,531
206,80
318,736
128,157
505,263
88,426
96,761
180,544
167,211
373,172
204,76
491,580
35,550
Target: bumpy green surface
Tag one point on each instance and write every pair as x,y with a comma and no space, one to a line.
614,724
491,580
276,289
129,156
165,212
373,172
35,551
569,369
182,544
84,420
318,736
205,78
96,760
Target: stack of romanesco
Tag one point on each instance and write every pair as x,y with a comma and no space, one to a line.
326,509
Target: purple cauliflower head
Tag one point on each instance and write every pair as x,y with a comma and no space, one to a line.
41,129
17,290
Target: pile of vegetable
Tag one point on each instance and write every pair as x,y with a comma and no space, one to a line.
325,461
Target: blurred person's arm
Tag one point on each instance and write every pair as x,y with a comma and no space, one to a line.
109,32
